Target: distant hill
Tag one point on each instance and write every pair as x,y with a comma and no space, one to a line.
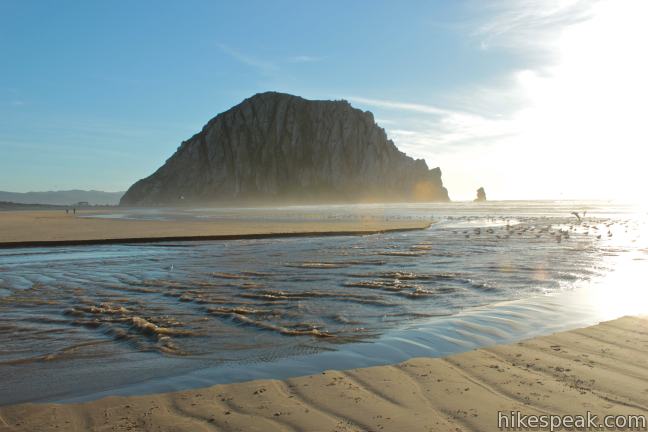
67,197
279,148
17,206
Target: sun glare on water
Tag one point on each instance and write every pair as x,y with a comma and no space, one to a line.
624,290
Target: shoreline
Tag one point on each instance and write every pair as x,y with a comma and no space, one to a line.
52,228
601,369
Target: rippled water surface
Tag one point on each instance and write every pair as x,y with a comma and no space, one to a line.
87,319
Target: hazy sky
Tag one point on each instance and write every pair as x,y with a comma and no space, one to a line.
530,99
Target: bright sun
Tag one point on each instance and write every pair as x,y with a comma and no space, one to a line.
587,114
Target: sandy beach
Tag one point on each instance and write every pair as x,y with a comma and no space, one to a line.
249,217
601,369
36,228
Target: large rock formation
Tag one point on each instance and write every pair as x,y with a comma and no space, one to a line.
481,195
279,148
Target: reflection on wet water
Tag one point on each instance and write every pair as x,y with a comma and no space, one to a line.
177,307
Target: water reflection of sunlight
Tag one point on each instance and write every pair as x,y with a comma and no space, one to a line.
624,290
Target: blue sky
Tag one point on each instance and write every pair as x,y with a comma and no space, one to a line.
96,95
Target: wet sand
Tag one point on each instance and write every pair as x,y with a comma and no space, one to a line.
601,369
50,228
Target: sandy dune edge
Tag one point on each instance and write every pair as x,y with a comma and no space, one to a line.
602,369
38,228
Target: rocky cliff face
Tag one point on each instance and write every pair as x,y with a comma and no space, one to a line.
279,148
481,195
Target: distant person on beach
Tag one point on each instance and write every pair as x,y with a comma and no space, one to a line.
67,211
74,210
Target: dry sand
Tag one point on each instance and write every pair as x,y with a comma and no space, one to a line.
602,369
25,228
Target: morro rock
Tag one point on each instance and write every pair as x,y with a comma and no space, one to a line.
279,148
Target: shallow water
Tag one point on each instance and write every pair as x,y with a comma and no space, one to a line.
83,321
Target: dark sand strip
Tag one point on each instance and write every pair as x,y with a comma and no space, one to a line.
118,240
